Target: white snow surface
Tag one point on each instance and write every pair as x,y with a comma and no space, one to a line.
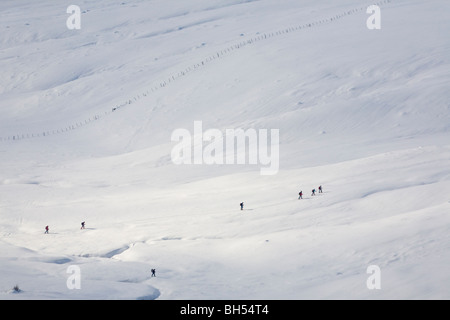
364,113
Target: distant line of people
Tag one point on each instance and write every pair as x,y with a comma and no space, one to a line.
300,195
83,226
313,192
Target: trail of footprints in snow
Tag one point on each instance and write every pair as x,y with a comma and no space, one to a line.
188,70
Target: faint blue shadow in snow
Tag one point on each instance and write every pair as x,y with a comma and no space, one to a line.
153,296
171,238
115,252
150,297
60,260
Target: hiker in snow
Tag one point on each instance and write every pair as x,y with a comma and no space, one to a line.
320,189
46,229
300,195
313,192
82,225
242,206
153,272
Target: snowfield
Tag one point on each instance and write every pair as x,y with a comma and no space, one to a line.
85,135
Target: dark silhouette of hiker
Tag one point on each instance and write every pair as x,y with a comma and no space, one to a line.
153,272
300,195
242,206
46,229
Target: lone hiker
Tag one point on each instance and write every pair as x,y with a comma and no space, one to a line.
46,229
153,272
82,225
242,206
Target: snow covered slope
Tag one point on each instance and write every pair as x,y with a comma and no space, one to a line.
85,135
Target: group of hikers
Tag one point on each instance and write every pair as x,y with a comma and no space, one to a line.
313,192
300,195
83,226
